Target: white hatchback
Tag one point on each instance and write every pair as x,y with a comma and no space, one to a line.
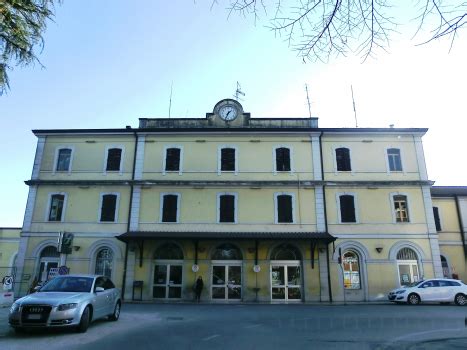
437,290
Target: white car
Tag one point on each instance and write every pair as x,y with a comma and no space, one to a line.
67,301
436,290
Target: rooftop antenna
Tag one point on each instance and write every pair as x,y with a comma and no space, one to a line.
238,92
308,99
354,110
170,100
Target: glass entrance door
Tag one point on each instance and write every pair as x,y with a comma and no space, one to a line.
44,268
286,282
167,281
408,272
226,282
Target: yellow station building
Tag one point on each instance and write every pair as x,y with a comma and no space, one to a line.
268,210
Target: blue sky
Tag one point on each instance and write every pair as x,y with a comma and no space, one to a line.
111,62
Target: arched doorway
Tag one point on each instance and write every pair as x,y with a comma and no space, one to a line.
104,262
226,273
407,266
286,276
49,259
168,272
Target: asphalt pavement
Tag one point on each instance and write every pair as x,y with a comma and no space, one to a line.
258,326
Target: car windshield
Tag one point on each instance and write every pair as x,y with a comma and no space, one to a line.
413,284
68,284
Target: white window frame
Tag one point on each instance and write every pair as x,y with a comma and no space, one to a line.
107,148
117,207
57,152
338,205
65,199
161,207
274,163
276,213
180,171
393,208
334,158
388,168
219,159
218,207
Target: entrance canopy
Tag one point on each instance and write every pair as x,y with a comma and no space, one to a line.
149,235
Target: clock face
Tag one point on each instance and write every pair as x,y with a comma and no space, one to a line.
228,112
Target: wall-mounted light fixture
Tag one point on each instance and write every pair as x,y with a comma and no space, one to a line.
76,248
379,249
321,249
251,250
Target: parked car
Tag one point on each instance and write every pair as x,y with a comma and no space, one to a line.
67,301
437,290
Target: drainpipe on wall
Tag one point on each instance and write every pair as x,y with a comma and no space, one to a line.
325,215
461,225
125,263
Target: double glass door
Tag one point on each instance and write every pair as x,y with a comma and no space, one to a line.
44,268
286,282
226,282
167,281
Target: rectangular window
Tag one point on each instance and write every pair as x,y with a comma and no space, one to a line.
108,209
114,156
282,159
347,207
172,159
169,208
343,159
56,207
394,159
228,159
227,208
400,208
63,160
284,209
437,218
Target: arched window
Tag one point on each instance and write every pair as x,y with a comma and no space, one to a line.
351,266
104,262
168,251
406,254
445,266
49,259
285,252
227,252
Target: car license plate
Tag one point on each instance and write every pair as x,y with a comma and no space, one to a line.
34,317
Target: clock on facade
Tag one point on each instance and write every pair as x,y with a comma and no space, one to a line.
228,112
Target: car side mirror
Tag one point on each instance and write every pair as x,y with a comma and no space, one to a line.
99,289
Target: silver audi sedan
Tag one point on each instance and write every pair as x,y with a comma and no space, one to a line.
67,301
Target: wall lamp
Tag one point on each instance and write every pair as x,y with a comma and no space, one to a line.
379,249
76,248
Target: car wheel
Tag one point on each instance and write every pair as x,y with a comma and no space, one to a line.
85,320
460,299
116,313
19,330
413,299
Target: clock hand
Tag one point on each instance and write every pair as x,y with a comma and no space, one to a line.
228,113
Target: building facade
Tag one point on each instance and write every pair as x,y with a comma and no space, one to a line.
268,210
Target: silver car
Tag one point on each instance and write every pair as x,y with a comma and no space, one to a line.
67,301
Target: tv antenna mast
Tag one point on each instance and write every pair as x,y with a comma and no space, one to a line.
354,110
170,99
308,100
238,92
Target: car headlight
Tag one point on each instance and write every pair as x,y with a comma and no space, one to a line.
14,308
64,307
400,291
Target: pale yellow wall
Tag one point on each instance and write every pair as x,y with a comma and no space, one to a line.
199,207
450,229
456,259
88,157
82,209
9,242
368,159
255,159
375,210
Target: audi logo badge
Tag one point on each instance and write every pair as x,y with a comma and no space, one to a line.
36,310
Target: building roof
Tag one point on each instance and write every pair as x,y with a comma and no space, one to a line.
148,235
448,191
